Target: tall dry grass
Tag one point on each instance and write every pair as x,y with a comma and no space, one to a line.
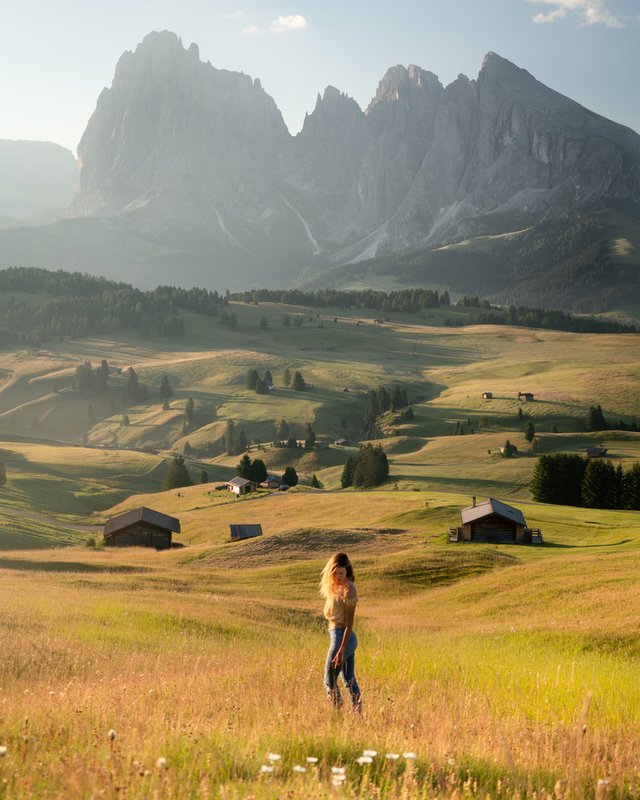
200,679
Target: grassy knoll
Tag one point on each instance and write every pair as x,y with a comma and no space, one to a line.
506,670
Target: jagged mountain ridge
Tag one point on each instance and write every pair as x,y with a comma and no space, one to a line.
199,161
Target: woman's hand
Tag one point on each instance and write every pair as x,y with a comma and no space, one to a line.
336,661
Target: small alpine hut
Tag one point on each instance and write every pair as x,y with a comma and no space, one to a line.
240,486
142,527
244,532
487,395
494,522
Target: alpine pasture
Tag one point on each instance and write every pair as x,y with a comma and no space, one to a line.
487,670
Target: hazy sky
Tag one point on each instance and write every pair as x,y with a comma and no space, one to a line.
55,57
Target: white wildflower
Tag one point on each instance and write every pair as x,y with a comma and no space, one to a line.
312,760
364,760
112,735
273,757
338,770
370,753
265,769
392,756
3,751
410,756
338,780
299,769
162,763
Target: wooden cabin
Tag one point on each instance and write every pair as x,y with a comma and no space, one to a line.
487,395
526,396
596,452
272,482
239,532
142,527
495,522
240,486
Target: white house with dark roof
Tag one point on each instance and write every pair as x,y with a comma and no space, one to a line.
239,486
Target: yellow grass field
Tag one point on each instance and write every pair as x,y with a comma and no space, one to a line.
508,671
487,671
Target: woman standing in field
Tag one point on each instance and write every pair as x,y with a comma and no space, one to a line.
339,591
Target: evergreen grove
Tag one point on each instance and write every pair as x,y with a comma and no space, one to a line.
573,480
369,468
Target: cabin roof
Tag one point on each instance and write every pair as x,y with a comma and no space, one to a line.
491,507
142,514
238,481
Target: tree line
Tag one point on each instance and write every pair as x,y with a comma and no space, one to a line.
369,468
413,300
78,305
573,480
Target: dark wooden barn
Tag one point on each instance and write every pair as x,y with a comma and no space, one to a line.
495,522
142,527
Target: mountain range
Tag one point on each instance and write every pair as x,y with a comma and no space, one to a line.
498,185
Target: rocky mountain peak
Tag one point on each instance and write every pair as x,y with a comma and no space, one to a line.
403,84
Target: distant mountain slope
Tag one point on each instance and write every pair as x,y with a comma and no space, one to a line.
196,163
35,177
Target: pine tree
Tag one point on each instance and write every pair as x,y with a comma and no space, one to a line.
529,432
204,476
408,414
165,388
310,439
286,377
290,477
595,419
282,434
268,378
125,420
230,438
252,378
346,479
315,483
243,468
508,450
292,442
132,391
298,382
189,414
258,471
598,488
177,474
241,442
632,487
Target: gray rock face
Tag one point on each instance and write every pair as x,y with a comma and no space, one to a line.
201,158
35,177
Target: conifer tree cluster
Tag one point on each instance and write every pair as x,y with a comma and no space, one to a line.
595,419
570,479
258,384
235,440
177,474
369,468
87,380
378,402
251,470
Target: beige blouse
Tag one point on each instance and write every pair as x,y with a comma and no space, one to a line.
335,608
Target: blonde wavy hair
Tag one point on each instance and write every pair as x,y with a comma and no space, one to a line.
329,586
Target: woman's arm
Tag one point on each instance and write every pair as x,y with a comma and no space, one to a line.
350,613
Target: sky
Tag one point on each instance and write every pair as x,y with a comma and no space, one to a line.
56,57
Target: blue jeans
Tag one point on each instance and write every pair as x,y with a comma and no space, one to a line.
347,670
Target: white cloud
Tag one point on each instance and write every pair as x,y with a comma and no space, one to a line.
587,12
282,24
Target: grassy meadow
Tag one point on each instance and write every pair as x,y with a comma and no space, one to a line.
508,672
487,671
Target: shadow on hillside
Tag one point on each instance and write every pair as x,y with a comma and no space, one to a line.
64,566
559,546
